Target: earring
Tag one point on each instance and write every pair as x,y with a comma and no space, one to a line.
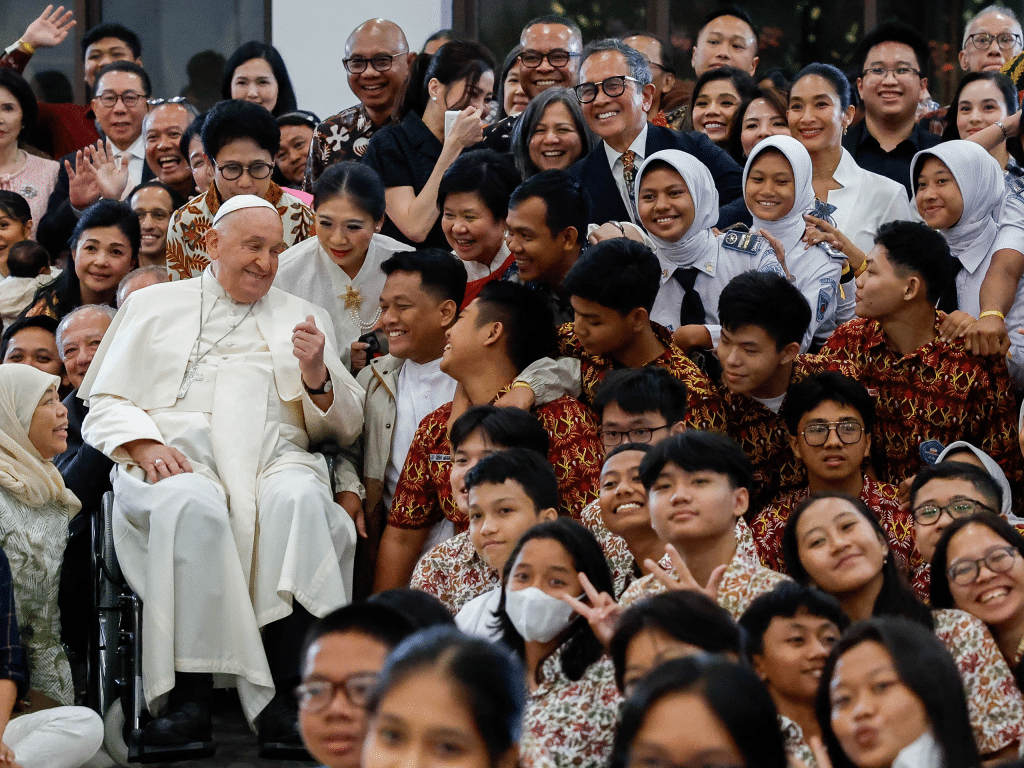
845,129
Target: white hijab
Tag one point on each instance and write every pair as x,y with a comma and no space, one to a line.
790,228
993,469
698,238
982,187
23,470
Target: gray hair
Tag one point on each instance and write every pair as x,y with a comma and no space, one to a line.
994,8
62,326
190,108
639,69
123,288
522,133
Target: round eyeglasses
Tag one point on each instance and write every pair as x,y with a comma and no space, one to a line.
929,514
612,86
317,695
382,63
983,40
998,560
556,58
232,171
849,432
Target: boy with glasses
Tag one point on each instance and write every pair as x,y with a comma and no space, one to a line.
241,139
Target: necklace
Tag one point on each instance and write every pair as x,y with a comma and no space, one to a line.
353,303
192,374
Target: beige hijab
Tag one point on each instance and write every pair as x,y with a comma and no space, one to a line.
23,470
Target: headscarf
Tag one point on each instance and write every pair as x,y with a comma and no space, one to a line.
23,470
992,468
790,228
698,238
982,187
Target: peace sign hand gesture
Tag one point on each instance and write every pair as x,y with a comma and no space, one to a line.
685,579
602,613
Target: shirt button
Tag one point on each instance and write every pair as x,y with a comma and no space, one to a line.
231,344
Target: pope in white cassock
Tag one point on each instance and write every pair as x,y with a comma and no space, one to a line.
208,394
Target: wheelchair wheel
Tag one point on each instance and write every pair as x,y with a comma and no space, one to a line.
113,734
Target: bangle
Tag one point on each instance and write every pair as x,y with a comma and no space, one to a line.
860,270
29,48
521,384
1006,133
992,313
618,227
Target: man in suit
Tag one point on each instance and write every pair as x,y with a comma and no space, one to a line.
616,92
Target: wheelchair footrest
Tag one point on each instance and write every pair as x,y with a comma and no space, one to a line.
157,754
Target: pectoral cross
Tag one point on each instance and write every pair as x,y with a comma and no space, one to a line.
192,374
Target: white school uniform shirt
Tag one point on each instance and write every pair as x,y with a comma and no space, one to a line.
1011,235
639,147
476,618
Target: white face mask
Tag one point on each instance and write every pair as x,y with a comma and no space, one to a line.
536,615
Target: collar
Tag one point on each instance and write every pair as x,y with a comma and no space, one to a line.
861,135
418,132
137,148
930,354
211,285
638,145
214,201
706,263
847,171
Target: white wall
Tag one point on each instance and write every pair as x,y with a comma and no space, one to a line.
311,34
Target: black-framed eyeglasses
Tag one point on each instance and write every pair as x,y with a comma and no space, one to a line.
109,99
848,432
382,63
901,73
556,58
612,86
317,695
929,514
612,437
172,100
232,171
998,560
983,40
662,67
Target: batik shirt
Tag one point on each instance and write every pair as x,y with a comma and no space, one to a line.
704,408
345,136
797,749
571,723
930,398
186,234
744,579
623,567
423,495
454,573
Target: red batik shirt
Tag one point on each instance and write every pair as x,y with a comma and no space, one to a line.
423,495
930,398
763,436
704,409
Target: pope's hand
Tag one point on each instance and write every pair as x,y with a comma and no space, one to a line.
308,346
160,461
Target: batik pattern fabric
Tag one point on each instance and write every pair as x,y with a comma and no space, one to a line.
454,573
797,749
620,560
344,136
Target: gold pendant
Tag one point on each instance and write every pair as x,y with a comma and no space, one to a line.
353,298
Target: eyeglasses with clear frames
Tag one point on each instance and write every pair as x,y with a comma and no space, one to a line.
317,695
382,63
983,40
232,171
612,86
172,100
556,58
849,432
129,98
612,437
929,514
998,560
901,73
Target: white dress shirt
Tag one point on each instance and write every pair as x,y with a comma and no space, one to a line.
639,147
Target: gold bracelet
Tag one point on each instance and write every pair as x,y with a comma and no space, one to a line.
860,270
521,384
29,49
992,313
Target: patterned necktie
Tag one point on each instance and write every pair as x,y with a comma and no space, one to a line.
948,301
629,176
691,311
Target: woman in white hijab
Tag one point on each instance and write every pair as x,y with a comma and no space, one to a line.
678,205
778,192
35,507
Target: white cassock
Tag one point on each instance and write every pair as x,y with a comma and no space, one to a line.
218,553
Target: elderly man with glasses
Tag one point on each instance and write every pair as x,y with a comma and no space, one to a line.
991,39
241,139
377,59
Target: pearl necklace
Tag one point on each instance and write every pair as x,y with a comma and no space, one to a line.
353,303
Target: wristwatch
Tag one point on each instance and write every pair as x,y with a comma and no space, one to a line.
326,387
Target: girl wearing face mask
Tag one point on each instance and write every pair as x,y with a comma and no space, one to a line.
573,701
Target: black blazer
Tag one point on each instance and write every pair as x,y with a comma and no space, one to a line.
85,470
606,203
59,221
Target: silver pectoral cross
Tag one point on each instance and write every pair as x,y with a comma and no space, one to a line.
192,374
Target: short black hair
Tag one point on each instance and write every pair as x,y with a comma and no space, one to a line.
122,33
421,608
27,259
194,130
490,175
504,427
784,601
644,448
299,117
566,199
441,34
528,325
126,66
110,213
940,595
441,275
745,85
912,246
698,450
530,470
893,32
255,49
619,273
377,621
45,322
177,201
357,181
641,390
826,387
767,301
690,617
237,119
730,10
958,470
22,92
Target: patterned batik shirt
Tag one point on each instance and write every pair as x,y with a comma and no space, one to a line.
454,573
797,749
763,436
186,234
704,408
744,579
571,723
623,567
423,495
993,701
881,498
345,136
930,398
